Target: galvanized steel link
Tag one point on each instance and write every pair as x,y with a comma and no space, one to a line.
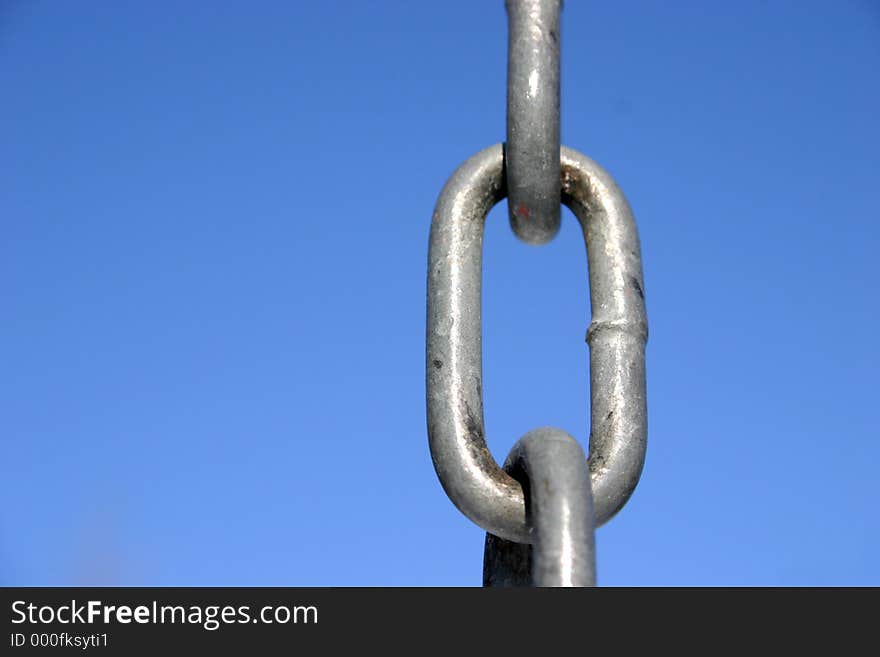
552,468
532,148
616,335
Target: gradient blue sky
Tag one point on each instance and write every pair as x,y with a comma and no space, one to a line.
215,220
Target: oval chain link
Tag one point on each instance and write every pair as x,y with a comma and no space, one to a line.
532,148
541,510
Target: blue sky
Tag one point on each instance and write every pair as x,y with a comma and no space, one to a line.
215,220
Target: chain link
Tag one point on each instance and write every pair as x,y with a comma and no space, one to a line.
532,149
560,514
540,535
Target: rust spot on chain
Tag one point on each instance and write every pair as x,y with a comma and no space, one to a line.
638,286
474,429
476,443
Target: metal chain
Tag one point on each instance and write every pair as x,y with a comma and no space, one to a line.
540,535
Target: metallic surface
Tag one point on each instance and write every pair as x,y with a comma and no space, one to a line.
552,469
532,148
616,335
